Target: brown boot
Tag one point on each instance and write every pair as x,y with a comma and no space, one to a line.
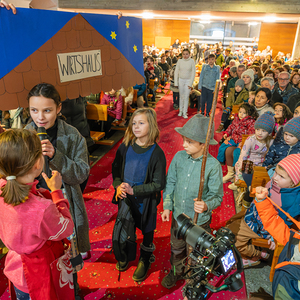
170,280
220,128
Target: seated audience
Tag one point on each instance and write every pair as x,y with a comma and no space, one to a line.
284,192
286,277
262,101
115,106
288,144
284,87
255,147
243,123
282,115
236,96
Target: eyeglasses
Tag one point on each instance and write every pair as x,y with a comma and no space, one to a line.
283,79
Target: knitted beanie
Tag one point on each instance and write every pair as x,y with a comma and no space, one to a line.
293,127
291,165
249,73
240,82
266,122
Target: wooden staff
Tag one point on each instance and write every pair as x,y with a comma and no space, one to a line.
205,151
206,145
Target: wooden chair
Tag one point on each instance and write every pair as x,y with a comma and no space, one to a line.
98,112
263,243
235,110
261,178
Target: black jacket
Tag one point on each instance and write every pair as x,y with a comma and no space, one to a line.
155,182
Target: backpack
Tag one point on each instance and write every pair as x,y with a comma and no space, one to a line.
123,237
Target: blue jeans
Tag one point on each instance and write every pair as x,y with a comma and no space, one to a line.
206,98
21,295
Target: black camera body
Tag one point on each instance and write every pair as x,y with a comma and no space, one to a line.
210,255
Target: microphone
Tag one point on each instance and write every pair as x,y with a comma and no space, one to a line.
42,134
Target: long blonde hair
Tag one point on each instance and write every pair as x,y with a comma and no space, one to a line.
153,134
19,151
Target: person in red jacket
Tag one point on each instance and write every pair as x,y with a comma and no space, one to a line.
33,222
229,150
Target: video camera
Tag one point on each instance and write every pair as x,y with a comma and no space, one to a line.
210,255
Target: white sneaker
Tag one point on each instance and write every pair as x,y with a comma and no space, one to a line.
180,114
185,117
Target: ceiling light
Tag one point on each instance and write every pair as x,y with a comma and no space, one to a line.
270,19
205,17
147,15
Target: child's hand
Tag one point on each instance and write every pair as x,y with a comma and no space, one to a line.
165,216
261,193
225,136
128,188
47,148
200,206
55,182
272,244
120,192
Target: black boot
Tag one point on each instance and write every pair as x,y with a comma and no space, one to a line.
146,258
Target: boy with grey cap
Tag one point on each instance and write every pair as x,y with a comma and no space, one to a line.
182,188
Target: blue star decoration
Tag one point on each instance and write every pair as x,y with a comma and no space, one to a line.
127,24
113,35
135,48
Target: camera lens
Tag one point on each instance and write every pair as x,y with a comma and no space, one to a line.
193,234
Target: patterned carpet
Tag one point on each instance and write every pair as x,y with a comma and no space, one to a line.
99,277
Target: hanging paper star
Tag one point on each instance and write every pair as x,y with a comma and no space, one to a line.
113,35
127,24
135,48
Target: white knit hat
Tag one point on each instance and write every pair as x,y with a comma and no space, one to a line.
249,73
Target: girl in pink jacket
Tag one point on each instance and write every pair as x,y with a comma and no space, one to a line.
32,222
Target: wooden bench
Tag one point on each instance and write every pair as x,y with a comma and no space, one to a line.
98,112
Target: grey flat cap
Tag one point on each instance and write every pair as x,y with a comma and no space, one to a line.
196,129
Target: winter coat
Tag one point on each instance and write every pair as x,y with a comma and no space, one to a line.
239,127
241,98
287,271
26,227
71,160
278,151
220,60
151,189
287,93
117,104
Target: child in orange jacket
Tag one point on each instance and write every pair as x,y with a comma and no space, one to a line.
287,273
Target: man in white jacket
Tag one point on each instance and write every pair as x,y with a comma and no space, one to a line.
184,76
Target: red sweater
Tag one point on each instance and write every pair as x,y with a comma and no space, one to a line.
26,227
239,127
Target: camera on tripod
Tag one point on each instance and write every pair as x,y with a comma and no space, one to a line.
210,255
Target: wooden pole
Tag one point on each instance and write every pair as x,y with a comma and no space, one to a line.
206,145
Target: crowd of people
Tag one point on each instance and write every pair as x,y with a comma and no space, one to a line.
36,217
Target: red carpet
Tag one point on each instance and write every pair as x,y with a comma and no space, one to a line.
99,277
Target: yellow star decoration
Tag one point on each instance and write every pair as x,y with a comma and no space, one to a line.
135,48
113,35
127,24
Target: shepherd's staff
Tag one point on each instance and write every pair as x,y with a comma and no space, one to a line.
205,151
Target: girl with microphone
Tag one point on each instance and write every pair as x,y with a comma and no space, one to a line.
66,151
